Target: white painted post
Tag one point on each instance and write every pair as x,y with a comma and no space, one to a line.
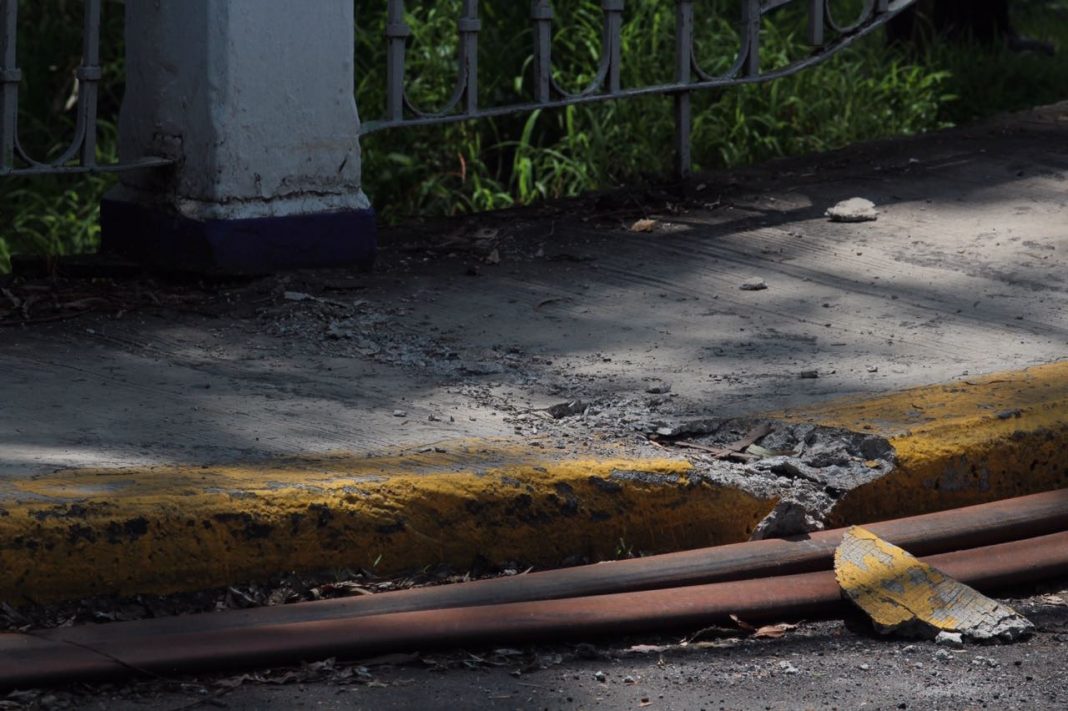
254,100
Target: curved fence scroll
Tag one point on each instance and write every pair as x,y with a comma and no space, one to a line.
827,34
80,154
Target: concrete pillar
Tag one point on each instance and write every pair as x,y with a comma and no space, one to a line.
254,101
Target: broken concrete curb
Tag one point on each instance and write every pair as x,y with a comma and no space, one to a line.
84,532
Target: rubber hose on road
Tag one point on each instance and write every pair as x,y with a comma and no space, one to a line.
968,527
122,649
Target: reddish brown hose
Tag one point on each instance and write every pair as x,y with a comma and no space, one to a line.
51,658
968,527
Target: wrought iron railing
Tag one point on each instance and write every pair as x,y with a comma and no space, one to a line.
826,34
80,156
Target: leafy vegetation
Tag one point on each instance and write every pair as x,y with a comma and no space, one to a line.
867,91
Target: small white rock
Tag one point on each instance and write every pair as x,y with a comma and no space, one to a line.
754,284
853,210
950,639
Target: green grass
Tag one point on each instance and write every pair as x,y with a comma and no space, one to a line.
868,91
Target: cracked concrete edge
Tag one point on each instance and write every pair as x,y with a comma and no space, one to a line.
83,532
966,442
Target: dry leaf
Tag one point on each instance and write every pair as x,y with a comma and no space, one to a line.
773,631
1060,600
648,648
644,225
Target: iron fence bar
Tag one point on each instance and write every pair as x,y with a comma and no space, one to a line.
129,165
612,45
470,26
684,50
742,59
751,17
397,33
604,67
866,13
817,23
10,76
541,14
465,88
88,77
84,123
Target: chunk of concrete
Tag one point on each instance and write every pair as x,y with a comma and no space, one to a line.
907,597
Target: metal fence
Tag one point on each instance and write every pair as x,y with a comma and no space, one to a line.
80,155
826,33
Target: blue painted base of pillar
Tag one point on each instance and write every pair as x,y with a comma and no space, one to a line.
251,246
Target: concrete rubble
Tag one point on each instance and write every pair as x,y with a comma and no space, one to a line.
906,597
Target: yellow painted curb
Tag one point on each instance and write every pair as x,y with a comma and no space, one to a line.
79,533
967,442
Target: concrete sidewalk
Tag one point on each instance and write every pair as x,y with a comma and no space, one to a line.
407,417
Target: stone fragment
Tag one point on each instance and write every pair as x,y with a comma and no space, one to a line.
853,210
950,639
754,284
567,409
903,595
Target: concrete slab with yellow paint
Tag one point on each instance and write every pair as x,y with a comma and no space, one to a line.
905,596
194,442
